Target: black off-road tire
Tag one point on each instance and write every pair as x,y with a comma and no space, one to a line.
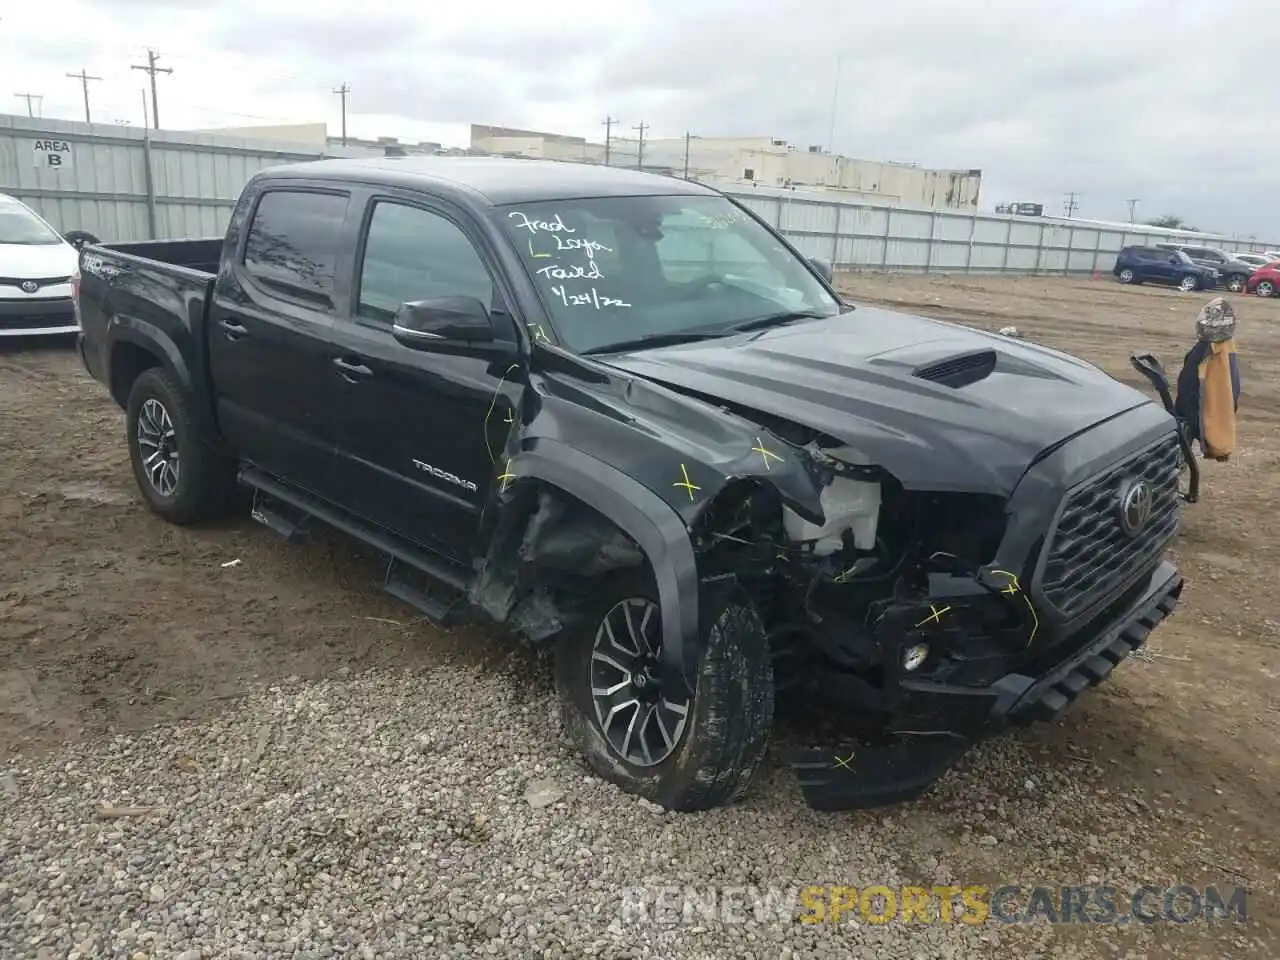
730,716
206,478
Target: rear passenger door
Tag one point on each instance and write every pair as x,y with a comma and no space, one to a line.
270,322
419,432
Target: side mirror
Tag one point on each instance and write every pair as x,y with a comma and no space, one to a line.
424,323
823,267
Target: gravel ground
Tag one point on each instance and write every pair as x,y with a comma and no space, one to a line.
437,815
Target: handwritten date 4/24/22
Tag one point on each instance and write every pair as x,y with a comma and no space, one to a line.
592,298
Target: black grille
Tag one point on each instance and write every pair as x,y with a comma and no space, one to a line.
1090,554
959,371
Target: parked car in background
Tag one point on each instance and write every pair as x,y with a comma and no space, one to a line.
1272,255
1265,282
1154,265
1255,259
36,265
1233,272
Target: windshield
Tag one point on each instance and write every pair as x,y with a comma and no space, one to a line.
20,225
615,270
1181,257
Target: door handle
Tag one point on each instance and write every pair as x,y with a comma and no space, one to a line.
233,330
352,371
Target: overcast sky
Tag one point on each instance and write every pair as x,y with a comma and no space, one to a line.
1173,103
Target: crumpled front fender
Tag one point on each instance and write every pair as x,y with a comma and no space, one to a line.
646,518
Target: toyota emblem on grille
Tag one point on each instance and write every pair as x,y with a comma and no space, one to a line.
1135,506
30,286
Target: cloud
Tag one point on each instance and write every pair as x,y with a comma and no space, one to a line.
1116,99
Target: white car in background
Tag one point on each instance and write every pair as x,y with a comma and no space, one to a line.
1254,259
36,265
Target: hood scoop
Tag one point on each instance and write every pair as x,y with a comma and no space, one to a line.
960,370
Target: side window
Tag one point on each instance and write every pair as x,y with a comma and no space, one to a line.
414,254
293,244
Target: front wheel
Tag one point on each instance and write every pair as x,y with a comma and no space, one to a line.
182,474
1189,283
685,753
1265,289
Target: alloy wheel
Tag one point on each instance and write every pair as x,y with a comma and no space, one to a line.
641,723
158,446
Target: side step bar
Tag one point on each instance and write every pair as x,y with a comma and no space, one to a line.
412,576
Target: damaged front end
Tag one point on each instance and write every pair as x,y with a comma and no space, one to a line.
917,620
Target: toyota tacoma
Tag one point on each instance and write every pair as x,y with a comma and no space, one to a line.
620,415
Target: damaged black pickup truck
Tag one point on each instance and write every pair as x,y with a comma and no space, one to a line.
620,414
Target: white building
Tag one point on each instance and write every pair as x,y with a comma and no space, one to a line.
750,161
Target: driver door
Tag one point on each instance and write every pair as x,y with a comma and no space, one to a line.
420,431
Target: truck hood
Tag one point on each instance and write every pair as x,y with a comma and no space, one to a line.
37,261
940,406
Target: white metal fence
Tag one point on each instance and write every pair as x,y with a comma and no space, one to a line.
121,184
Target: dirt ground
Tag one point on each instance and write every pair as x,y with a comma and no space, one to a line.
110,620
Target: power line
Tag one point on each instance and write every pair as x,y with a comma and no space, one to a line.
152,69
342,92
1071,204
608,136
84,79
29,97
641,127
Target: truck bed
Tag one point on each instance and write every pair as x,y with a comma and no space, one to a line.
200,255
140,298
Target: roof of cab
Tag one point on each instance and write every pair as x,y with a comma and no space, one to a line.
498,180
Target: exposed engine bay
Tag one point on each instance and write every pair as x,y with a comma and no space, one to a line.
891,582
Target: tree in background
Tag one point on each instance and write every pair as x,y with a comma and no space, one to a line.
1173,223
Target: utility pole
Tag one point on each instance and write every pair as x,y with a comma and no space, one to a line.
642,127
84,79
1071,204
687,137
151,68
608,136
1133,205
835,98
29,97
342,91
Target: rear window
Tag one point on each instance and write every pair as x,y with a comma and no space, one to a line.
292,246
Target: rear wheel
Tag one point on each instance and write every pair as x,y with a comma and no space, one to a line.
1265,288
683,752
1126,275
182,474
1236,282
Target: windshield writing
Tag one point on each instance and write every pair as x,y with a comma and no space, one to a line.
619,269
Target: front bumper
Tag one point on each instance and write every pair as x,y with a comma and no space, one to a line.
34,318
934,724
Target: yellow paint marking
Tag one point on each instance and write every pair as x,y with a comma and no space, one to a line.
1013,589
506,476
687,485
765,453
935,615
538,256
844,761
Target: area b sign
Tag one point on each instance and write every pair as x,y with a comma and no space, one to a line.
52,154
